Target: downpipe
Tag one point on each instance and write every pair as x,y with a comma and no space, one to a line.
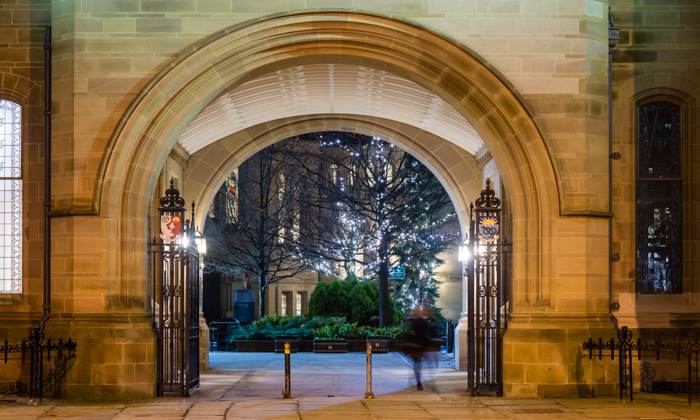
46,307
613,257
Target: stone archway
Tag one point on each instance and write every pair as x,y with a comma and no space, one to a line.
455,168
154,121
158,116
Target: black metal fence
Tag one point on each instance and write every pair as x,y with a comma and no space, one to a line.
682,349
219,335
48,362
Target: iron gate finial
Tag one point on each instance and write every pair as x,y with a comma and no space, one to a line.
488,199
172,200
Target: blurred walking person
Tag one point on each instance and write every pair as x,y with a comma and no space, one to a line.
418,341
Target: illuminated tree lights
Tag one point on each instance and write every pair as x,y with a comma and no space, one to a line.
359,206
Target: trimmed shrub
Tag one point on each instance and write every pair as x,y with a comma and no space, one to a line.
362,303
329,299
356,300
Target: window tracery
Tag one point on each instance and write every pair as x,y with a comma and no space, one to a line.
659,197
10,197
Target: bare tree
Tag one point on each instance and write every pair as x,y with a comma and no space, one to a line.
255,224
330,202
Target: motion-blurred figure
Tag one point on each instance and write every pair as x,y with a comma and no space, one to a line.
418,340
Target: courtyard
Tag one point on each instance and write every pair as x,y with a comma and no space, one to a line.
249,385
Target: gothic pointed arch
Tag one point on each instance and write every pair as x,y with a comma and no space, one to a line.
153,122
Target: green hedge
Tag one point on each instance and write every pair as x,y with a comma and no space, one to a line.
319,327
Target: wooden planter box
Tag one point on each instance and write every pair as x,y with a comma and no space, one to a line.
255,345
379,344
356,345
330,346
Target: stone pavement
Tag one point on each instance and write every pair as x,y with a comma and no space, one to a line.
248,386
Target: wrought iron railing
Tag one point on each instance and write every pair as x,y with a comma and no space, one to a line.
219,334
48,362
680,349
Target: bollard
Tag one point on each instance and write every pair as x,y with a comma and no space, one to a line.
368,385
287,393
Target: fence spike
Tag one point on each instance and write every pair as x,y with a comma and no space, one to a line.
639,349
625,346
612,349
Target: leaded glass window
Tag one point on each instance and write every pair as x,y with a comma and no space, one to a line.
231,185
659,213
10,197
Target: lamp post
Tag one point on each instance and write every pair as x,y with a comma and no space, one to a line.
465,257
465,253
192,236
200,242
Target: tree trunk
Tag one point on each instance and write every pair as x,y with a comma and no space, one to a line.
384,309
385,317
261,297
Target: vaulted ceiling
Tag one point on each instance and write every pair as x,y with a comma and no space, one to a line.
328,89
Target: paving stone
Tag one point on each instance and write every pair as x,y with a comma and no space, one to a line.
209,409
264,415
482,412
83,411
204,417
22,411
256,395
630,411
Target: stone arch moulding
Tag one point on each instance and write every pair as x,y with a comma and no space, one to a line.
455,168
156,118
16,88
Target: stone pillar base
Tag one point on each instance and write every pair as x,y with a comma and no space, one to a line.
461,344
543,357
115,355
203,344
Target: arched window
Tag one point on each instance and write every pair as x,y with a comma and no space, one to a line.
10,197
659,196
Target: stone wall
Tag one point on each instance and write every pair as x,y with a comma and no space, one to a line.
21,81
658,54
553,53
106,52
22,26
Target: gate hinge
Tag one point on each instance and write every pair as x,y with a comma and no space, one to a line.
615,155
615,257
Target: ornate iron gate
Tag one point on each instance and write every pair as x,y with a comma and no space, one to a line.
176,291
487,296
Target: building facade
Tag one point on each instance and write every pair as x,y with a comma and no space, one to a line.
602,197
